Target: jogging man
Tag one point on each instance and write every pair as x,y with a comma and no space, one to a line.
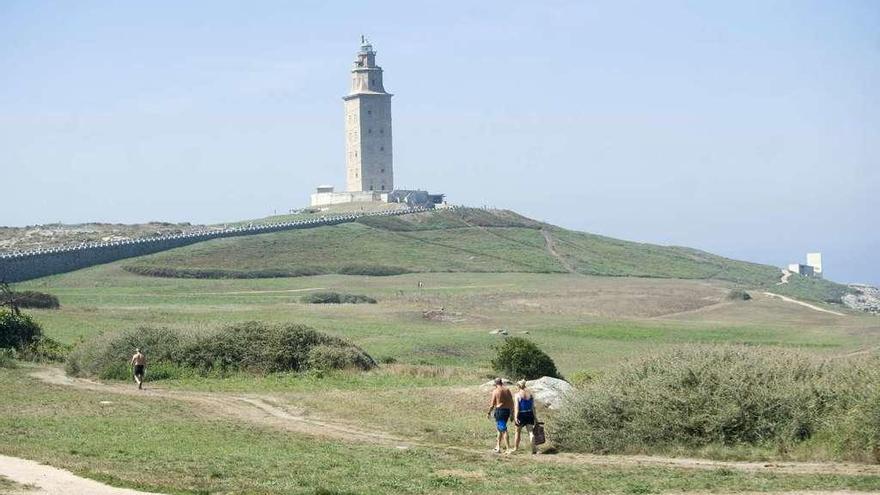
502,403
139,361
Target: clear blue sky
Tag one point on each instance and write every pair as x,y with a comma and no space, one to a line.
747,128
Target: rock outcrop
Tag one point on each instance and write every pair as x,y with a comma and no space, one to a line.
867,299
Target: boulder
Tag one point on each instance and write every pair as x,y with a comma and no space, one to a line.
551,392
500,331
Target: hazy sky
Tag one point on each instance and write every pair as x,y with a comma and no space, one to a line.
748,129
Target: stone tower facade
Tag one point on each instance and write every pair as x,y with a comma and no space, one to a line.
368,127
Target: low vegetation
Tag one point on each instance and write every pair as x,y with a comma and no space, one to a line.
216,273
30,299
731,396
518,358
192,450
461,240
17,330
7,358
336,298
738,295
813,289
252,347
23,338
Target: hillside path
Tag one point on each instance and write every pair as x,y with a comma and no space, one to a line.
41,479
550,242
806,305
267,411
785,276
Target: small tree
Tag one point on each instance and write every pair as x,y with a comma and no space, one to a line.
519,358
17,331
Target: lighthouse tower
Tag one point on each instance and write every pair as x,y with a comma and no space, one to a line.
368,127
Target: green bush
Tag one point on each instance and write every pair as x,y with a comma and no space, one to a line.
45,349
336,298
34,299
699,396
519,358
102,355
17,331
253,347
738,295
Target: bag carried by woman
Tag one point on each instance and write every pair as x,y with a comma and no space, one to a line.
538,434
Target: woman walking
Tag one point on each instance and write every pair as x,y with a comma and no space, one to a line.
524,415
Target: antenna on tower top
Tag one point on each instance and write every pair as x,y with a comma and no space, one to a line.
363,39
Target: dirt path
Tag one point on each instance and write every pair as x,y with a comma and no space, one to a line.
806,305
266,411
253,409
785,276
41,479
551,248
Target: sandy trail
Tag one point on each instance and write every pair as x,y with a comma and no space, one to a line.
47,480
806,305
550,243
267,411
785,276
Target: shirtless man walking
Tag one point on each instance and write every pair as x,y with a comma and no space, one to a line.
139,361
502,403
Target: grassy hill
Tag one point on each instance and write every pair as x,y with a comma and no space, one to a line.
461,240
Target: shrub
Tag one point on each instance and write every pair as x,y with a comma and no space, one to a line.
336,298
105,353
698,396
253,347
329,357
7,358
520,358
34,299
738,295
371,270
45,349
211,273
17,331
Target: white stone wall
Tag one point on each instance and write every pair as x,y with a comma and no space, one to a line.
335,198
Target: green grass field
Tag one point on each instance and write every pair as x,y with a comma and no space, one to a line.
165,446
464,240
197,434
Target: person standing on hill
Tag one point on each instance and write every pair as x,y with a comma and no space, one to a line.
524,415
139,361
502,403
